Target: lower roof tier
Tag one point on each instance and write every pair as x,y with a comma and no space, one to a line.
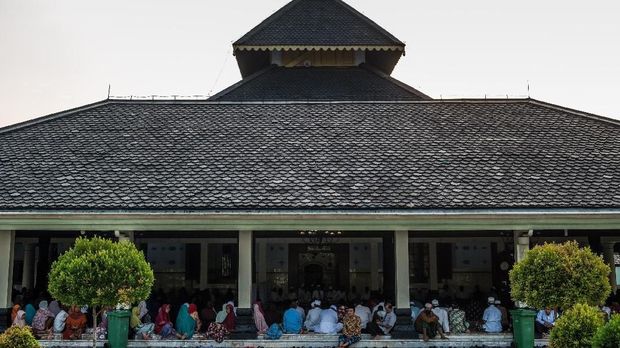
474,154
319,84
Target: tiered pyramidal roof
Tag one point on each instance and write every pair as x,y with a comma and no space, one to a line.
318,50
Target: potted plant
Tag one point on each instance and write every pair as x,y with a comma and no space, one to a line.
102,273
555,275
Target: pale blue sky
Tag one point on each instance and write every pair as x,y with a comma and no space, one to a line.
59,54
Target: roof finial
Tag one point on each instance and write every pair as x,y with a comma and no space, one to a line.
109,88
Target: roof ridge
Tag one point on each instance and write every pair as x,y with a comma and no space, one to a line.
243,81
583,114
366,19
267,20
399,83
52,116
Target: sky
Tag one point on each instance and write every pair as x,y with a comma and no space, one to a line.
61,54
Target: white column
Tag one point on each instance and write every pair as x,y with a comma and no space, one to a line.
608,253
432,251
245,269
124,235
204,265
7,249
374,266
28,272
522,244
401,252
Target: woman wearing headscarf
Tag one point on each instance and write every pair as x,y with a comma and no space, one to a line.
230,322
20,318
185,325
16,308
75,324
30,312
142,330
54,307
102,327
43,321
208,314
216,330
163,325
259,317
60,320
144,315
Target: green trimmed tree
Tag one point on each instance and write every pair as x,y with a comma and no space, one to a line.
560,275
576,327
101,273
608,336
16,337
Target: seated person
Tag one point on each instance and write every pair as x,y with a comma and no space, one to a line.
442,314
292,319
545,320
387,324
314,316
427,323
456,318
329,321
492,318
59,321
75,324
141,330
43,321
351,329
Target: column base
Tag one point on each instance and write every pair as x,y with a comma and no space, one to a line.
5,318
245,329
403,329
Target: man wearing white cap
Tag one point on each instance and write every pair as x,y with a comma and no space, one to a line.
314,316
442,314
492,318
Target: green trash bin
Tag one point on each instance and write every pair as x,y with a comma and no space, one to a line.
523,327
118,328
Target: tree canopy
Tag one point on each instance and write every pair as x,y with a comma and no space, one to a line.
100,272
560,275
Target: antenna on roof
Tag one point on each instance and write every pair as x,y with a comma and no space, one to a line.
109,88
528,88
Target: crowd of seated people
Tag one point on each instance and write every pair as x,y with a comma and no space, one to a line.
181,315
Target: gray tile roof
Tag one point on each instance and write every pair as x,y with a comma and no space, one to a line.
319,84
201,155
318,23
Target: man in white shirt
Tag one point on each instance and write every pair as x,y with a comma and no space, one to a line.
329,321
390,319
314,316
545,321
442,314
492,318
364,313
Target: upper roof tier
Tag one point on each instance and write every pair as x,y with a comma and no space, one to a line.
318,24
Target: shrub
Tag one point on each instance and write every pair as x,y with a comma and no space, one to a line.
576,327
99,273
608,336
560,275
16,337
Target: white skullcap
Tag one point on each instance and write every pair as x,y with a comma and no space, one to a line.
435,303
491,300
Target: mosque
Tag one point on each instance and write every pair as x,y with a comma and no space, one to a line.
317,168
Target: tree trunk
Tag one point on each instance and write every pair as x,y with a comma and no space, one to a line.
94,327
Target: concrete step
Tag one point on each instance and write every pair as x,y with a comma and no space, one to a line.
314,341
